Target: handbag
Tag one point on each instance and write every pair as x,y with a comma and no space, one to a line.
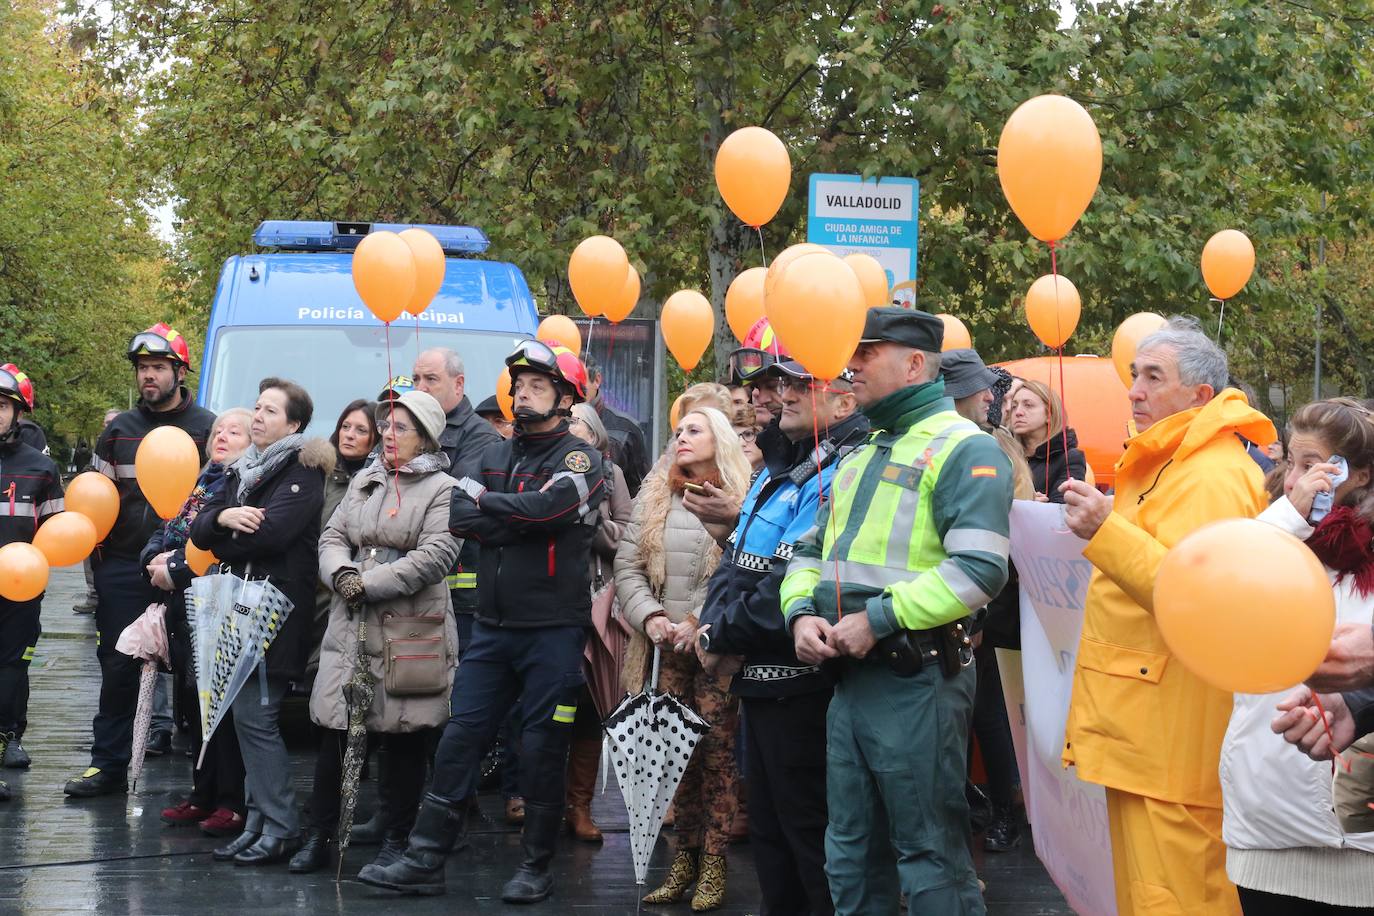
415,657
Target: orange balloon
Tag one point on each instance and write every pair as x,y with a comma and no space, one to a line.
384,274
688,323
66,538
744,301
1049,160
199,560
1245,606
429,268
1128,335
1052,309
675,412
94,496
785,258
753,172
1228,259
872,278
504,399
617,310
23,571
817,310
167,464
596,273
957,336
561,329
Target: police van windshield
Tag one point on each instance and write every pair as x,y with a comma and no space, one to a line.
338,364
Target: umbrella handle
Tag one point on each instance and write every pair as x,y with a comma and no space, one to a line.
653,678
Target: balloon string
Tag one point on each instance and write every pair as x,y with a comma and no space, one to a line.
391,415
417,337
1063,392
1221,318
820,493
762,253
587,347
610,348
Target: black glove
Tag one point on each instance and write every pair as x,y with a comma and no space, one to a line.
349,585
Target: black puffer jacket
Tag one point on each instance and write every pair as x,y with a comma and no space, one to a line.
464,437
284,548
532,504
1060,463
114,457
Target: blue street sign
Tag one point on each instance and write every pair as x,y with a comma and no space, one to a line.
876,217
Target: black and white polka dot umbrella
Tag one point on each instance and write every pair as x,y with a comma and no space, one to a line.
652,736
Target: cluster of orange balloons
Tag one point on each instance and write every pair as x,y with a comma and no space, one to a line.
63,539
398,272
603,280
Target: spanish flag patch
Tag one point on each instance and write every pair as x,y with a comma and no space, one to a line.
984,470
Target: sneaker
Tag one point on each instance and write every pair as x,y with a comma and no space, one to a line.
184,813
16,758
224,822
95,781
159,744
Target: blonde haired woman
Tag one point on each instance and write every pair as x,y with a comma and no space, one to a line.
665,559
1037,421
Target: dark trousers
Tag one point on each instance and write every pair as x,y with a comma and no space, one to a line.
218,782
124,594
541,666
1259,903
784,768
19,632
400,779
993,730
507,740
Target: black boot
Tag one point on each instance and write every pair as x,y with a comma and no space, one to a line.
532,882
1004,833
420,870
979,808
370,832
314,854
393,847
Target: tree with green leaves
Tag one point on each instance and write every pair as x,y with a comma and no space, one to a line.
545,123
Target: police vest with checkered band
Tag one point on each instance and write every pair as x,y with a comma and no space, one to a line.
883,539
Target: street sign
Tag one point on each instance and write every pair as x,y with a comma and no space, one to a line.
876,217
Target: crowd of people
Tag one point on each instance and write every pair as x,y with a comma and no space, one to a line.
818,569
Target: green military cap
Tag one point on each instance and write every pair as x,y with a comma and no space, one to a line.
908,327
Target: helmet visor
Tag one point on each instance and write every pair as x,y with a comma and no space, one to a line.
747,363
536,354
149,344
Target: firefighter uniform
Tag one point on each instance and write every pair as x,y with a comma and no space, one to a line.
916,538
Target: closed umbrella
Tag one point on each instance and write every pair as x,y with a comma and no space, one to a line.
144,639
358,693
652,736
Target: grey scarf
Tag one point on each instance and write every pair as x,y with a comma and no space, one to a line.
255,464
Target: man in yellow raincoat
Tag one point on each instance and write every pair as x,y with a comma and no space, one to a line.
1140,723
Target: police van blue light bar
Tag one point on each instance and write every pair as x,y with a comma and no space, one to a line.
319,235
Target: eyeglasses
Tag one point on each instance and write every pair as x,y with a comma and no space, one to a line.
401,428
747,435
770,383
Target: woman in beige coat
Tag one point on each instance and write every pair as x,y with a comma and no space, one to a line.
665,559
385,556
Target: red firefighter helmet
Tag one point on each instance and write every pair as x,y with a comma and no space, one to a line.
15,385
556,361
160,340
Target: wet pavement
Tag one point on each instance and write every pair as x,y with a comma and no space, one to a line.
113,855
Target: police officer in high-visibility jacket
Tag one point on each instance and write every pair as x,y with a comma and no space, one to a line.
914,542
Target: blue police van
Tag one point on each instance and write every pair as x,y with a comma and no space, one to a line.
291,311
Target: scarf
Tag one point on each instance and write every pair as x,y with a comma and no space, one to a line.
897,412
1343,542
178,531
256,465
656,502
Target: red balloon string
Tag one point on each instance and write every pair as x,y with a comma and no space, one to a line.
391,414
820,493
1063,392
417,336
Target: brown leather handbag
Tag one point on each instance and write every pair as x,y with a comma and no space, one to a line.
416,655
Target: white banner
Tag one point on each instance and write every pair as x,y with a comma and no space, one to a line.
1068,817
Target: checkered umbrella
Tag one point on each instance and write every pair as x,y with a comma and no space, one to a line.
652,736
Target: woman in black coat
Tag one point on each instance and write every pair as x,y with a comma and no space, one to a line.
265,524
1037,421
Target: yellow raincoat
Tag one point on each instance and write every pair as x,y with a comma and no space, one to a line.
1140,723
